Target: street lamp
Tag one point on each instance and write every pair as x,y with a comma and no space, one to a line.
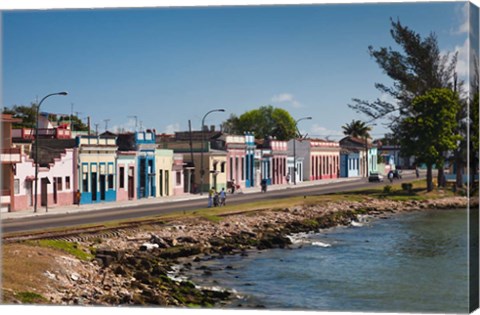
36,146
294,150
202,171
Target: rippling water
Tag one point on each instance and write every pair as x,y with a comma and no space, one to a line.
413,262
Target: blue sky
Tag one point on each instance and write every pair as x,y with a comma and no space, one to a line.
170,65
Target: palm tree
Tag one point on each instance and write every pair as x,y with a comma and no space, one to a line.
357,129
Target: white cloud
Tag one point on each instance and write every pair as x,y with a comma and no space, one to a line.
172,128
286,98
463,58
464,16
322,132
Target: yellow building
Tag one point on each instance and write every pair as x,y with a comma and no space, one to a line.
164,167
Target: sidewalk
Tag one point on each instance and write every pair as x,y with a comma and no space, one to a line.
154,201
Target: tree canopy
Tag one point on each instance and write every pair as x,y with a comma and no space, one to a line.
430,128
416,69
421,74
263,122
357,129
28,116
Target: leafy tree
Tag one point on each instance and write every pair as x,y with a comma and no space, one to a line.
429,130
474,126
28,116
357,129
263,122
417,69
26,113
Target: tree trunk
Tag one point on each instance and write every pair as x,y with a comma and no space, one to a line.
459,178
429,177
441,176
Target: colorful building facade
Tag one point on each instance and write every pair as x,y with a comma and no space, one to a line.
9,157
55,182
126,175
96,179
321,158
164,169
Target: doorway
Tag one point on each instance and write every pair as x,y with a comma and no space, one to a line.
55,187
166,183
44,192
131,187
94,186
102,187
160,182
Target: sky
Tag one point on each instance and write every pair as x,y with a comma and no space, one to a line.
158,68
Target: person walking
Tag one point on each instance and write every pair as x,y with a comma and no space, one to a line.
78,197
223,197
417,172
264,185
390,176
211,193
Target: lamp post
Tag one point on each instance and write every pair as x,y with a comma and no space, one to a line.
202,171
294,149
36,146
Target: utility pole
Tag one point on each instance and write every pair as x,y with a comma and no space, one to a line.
106,124
136,121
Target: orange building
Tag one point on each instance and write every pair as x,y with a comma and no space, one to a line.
9,157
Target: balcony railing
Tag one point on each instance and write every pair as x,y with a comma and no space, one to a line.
5,192
29,133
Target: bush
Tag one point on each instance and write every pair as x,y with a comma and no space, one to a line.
387,189
407,187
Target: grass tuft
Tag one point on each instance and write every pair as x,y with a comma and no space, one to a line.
67,247
27,297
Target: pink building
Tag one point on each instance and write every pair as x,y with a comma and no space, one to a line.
55,176
126,175
321,158
279,161
235,147
178,175
273,160
9,157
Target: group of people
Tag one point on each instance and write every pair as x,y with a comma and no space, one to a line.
215,198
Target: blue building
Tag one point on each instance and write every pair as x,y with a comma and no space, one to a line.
250,160
349,163
143,142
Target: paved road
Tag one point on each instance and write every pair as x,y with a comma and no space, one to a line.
113,212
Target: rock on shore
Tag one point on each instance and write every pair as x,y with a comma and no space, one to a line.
134,267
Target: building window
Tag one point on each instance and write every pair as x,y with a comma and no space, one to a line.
178,178
243,168
16,186
231,168
59,184
110,181
67,182
122,177
222,167
85,182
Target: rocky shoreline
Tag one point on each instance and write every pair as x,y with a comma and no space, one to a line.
137,267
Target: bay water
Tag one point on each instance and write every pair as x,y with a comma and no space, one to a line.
409,262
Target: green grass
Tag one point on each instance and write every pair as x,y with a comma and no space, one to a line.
213,218
30,297
64,246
